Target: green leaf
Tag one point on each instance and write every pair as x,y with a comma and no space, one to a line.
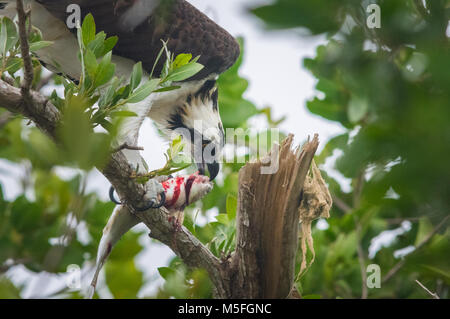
80,145
357,109
184,72
318,16
157,60
108,97
8,35
329,110
166,272
90,61
25,215
88,29
39,45
98,45
144,91
13,65
425,228
181,60
223,219
105,71
123,278
109,44
443,273
136,76
167,89
127,248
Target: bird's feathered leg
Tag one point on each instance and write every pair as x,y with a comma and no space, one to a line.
129,134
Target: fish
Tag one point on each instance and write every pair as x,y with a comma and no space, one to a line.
184,190
180,192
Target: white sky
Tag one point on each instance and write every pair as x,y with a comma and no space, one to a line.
273,66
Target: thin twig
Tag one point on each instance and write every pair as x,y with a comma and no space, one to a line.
342,205
25,52
125,146
401,263
357,189
434,295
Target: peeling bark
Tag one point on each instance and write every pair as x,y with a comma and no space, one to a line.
267,223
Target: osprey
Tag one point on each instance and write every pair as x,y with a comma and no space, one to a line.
140,26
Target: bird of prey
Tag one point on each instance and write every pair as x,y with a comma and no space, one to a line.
140,26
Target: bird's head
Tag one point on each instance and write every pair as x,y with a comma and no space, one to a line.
196,118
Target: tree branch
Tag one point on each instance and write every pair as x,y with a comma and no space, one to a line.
342,205
40,110
125,146
25,52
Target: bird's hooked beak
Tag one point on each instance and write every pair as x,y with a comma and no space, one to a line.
207,160
213,169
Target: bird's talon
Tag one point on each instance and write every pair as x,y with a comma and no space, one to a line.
162,202
112,198
151,205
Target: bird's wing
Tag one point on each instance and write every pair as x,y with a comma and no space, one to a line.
142,24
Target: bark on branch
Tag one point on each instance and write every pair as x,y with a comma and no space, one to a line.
39,110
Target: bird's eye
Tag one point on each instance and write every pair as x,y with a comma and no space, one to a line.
205,143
